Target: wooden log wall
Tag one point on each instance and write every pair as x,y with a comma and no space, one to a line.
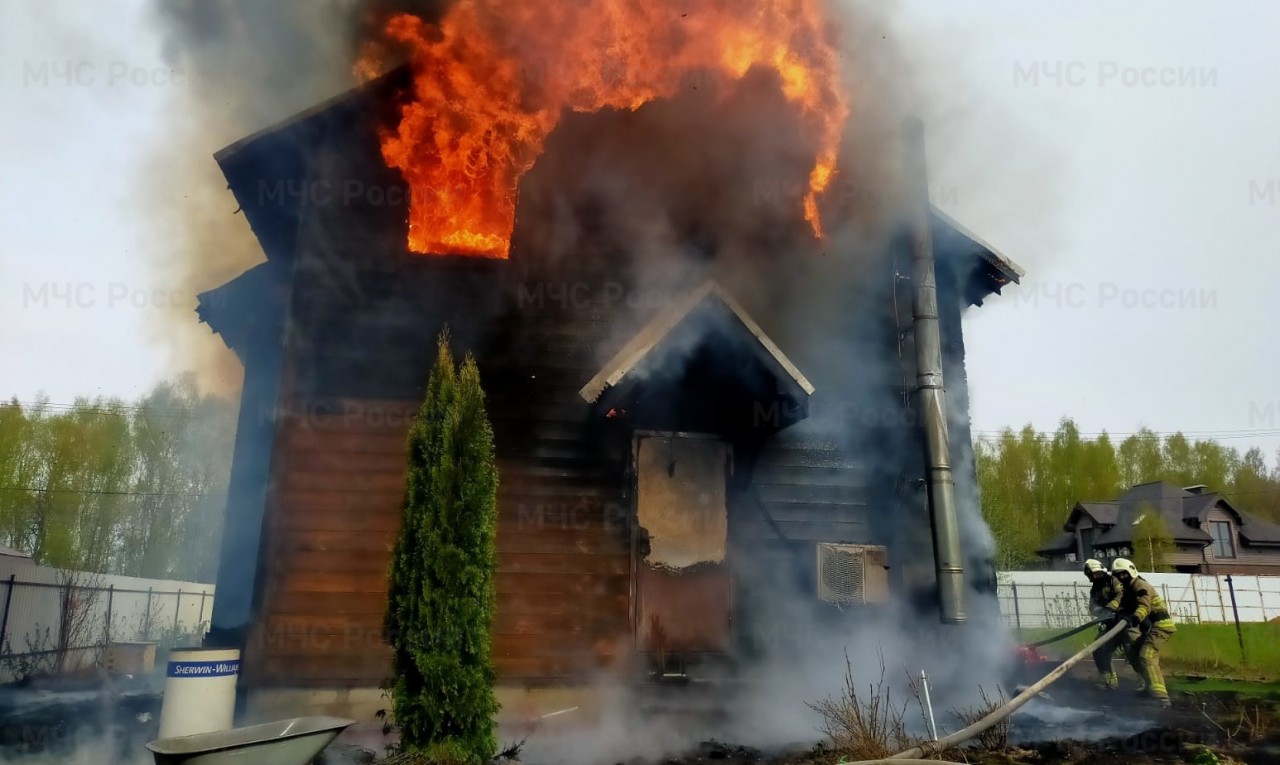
338,476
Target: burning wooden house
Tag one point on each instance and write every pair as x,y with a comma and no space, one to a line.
683,467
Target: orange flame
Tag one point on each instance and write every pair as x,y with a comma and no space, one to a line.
492,80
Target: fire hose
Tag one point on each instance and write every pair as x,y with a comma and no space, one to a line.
1065,635
916,754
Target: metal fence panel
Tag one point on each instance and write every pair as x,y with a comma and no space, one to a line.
52,621
1061,598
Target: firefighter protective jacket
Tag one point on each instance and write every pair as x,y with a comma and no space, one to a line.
1105,596
1142,600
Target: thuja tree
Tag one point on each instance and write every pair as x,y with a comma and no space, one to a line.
442,596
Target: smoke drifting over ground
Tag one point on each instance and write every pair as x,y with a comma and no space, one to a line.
768,709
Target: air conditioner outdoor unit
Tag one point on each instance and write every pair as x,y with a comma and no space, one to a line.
852,574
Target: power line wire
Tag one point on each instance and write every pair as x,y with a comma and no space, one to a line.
1145,431
1194,434
106,492
123,411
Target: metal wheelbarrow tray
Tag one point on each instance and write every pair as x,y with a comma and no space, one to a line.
286,742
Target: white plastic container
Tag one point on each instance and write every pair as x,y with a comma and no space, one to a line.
199,691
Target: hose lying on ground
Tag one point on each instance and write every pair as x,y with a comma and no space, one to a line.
1013,704
1065,635
915,754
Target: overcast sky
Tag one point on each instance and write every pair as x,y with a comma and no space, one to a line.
1126,154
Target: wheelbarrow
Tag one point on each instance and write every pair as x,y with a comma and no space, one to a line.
296,741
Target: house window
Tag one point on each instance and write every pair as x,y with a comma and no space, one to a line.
1224,545
1071,557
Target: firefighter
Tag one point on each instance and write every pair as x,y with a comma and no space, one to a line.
1150,627
1104,601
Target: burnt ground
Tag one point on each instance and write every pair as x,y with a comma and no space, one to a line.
1076,724
57,718
1179,736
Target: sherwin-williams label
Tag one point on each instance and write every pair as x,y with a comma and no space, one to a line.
203,668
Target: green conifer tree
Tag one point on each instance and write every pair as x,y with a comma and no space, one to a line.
442,596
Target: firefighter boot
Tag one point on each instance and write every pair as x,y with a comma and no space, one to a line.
1102,659
1148,666
1135,661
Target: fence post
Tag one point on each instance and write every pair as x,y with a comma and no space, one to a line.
177,612
200,620
64,629
111,595
1044,605
1017,610
1236,612
1195,597
146,624
1222,602
4,621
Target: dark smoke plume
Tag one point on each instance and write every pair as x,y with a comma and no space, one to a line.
249,64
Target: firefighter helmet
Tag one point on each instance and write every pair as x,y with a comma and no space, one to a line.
1125,565
1093,566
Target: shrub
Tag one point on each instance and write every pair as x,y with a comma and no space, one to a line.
441,598
865,725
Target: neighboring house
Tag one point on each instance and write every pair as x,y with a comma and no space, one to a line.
1210,536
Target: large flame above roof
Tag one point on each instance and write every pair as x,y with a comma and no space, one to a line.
493,77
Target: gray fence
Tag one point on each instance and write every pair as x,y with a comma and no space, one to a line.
61,622
1060,599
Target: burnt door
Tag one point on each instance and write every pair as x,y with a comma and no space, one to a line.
682,521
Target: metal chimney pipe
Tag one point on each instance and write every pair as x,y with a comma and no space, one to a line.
930,393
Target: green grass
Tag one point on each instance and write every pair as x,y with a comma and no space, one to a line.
1211,650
